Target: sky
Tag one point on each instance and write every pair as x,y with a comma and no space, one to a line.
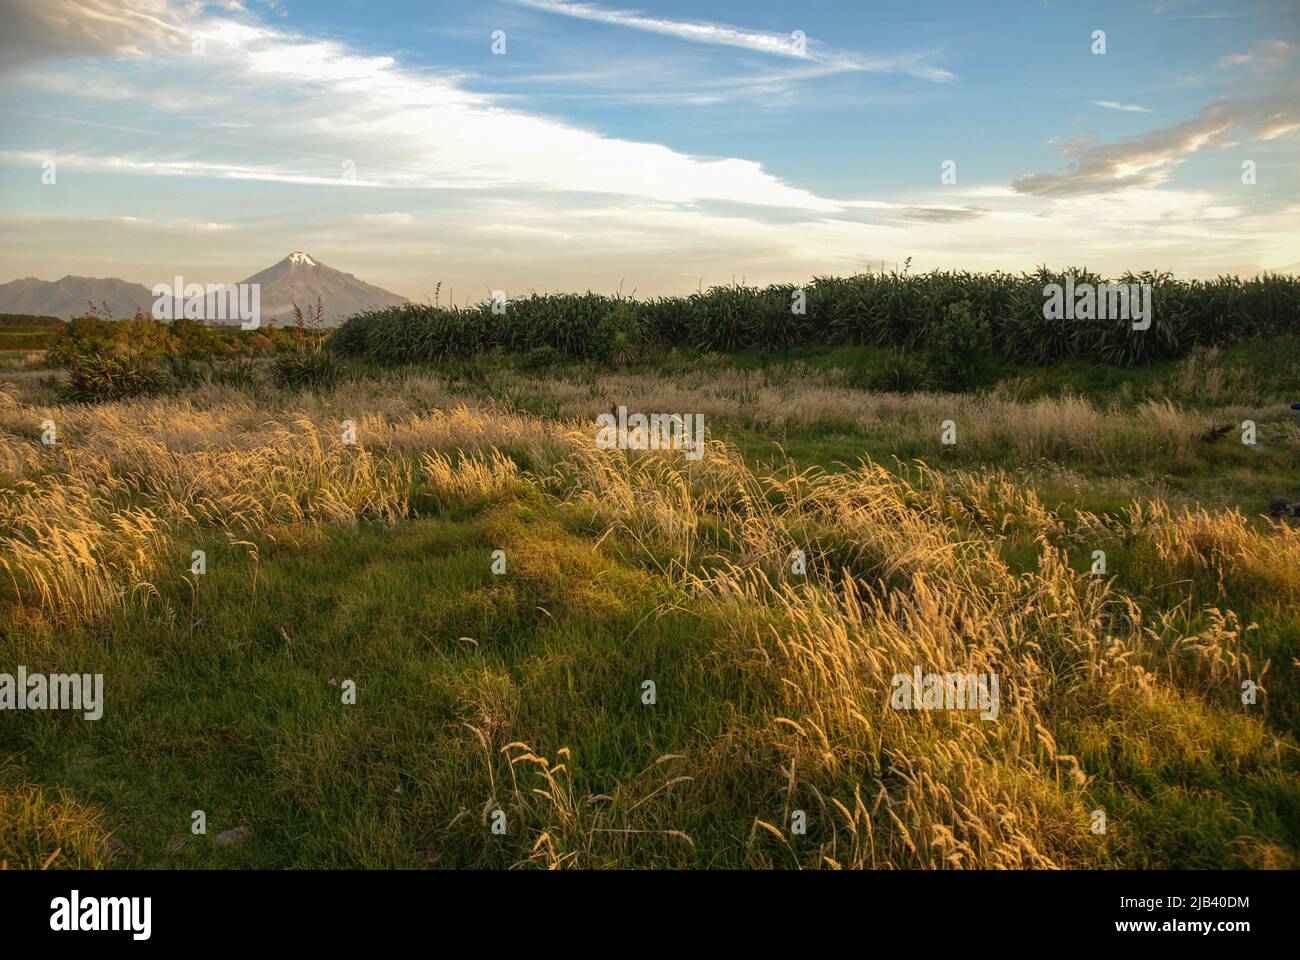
654,149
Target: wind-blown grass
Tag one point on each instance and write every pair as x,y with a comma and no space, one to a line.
521,692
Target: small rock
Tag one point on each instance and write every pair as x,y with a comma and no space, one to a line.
115,849
177,845
1279,507
233,838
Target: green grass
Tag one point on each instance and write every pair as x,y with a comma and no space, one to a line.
1223,472
224,691
223,700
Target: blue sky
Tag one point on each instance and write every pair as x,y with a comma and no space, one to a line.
658,146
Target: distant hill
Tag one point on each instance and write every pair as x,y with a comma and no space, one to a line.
298,277
27,321
73,296
301,279
22,331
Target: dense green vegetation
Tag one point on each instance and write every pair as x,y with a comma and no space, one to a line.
957,318
139,356
23,331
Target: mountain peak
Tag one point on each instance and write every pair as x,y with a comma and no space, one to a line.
301,279
297,279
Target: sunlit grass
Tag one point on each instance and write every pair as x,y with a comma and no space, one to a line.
522,692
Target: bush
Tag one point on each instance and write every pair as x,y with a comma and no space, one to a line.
28,339
143,336
240,374
307,369
957,343
184,371
350,338
895,371
258,343
194,340
619,337
97,378
539,359
470,371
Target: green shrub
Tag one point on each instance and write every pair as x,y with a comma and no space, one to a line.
28,339
97,377
240,374
619,337
895,371
467,370
141,335
307,369
351,337
539,359
184,371
194,339
957,342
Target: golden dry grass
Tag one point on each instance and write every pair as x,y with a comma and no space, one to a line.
902,570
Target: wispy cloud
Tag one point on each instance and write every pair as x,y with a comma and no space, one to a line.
395,219
105,163
1144,160
1265,58
44,29
1116,105
523,231
775,44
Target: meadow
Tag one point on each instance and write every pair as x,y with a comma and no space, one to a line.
436,530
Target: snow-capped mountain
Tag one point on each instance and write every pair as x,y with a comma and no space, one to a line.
300,278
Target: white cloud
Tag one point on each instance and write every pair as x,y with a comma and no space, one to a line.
523,231
387,219
336,106
775,44
104,163
1145,160
1115,105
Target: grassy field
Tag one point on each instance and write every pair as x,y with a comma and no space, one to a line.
516,698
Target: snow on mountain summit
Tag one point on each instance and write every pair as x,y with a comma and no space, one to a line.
300,279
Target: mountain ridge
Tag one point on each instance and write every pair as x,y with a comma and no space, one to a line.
297,277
